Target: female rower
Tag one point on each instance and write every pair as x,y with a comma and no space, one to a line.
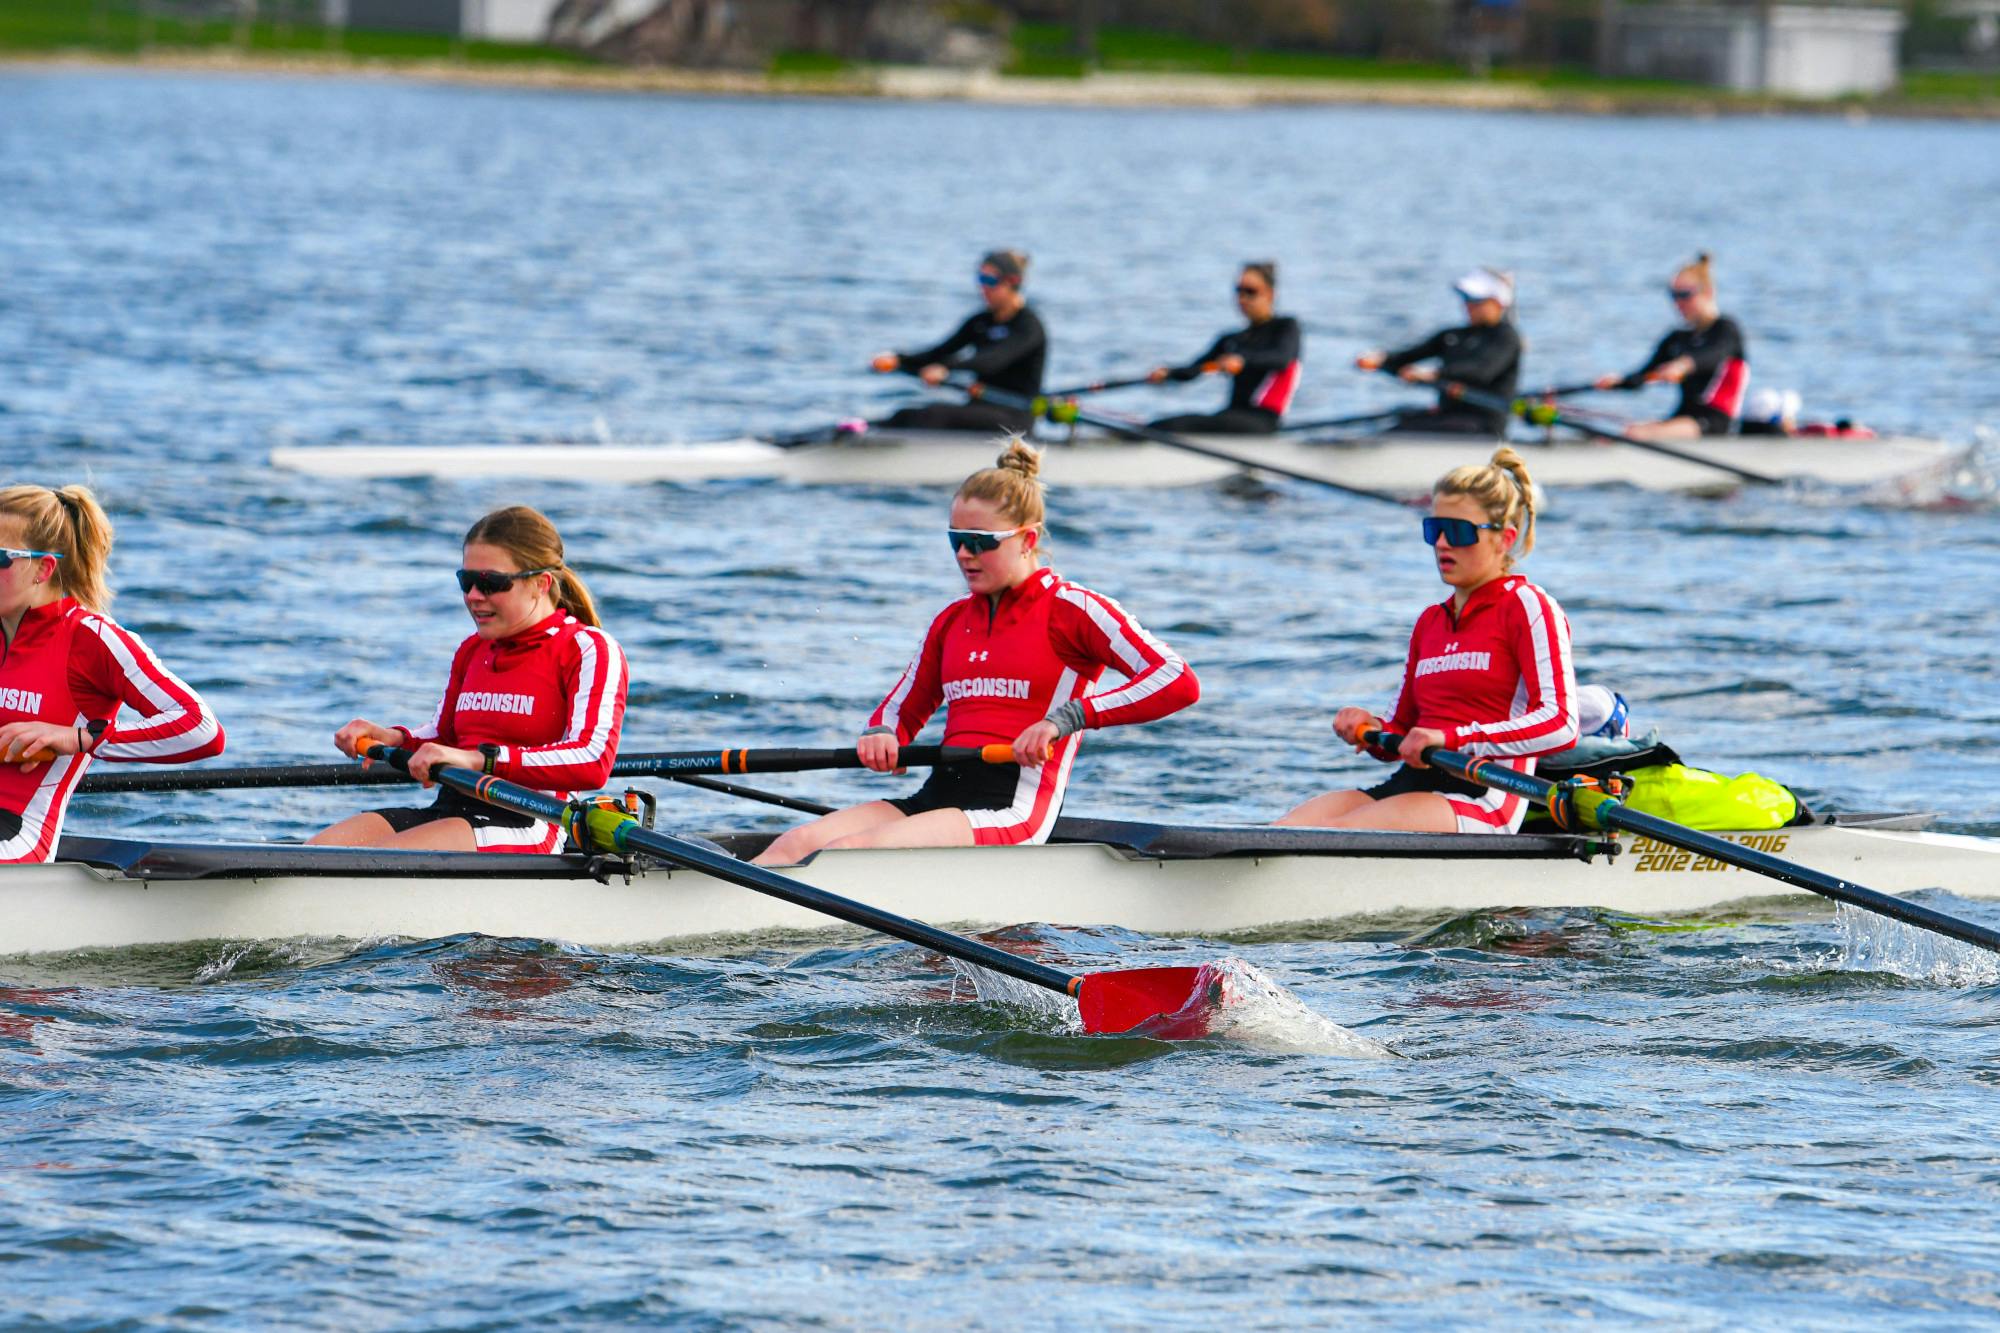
536,695
1488,671
1705,358
1012,661
1003,346
1262,357
1484,353
66,668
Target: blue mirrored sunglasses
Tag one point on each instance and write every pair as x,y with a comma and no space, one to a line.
1456,531
7,558
977,540
988,279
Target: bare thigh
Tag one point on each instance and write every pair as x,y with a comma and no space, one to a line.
1412,812
371,830
932,828
1673,428
1325,807
796,844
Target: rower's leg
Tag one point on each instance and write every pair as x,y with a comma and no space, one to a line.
439,835
1673,428
796,844
1324,807
932,828
366,829
1412,812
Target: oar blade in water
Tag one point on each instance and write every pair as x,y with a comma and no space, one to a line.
1173,1003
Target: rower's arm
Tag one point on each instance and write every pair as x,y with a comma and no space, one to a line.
1195,368
960,339
1661,355
110,662
581,759
1540,634
1284,350
1088,628
1409,356
918,691
1496,356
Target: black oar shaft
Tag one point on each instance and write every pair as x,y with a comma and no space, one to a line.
1514,407
630,836
779,799
1133,430
1613,814
669,764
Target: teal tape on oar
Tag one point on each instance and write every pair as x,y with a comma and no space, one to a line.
1585,806
1167,1001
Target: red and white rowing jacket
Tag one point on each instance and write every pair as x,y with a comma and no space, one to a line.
552,698
999,668
1495,678
72,666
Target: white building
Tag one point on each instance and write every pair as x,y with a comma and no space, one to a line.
1798,50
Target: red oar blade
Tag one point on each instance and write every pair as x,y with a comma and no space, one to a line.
1173,1003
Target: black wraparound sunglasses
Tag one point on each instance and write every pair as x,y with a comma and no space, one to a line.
493,582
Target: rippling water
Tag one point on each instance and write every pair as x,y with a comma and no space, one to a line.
1780,1117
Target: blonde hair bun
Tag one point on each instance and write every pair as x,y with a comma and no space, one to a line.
1503,489
1020,456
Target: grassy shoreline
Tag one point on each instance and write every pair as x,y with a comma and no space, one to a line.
1930,97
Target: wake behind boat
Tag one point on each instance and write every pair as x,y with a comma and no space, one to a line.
1153,878
1905,469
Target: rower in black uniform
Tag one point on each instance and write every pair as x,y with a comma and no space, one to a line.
1484,353
1263,358
1705,358
1003,346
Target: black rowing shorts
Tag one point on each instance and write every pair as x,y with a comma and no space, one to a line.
964,787
1406,780
454,804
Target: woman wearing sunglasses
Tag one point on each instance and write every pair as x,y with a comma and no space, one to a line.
1262,357
1488,671
1484,353
67,669
1002,346
1705,358
1013,661
536,695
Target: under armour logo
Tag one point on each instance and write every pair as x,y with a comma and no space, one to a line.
1451,647
977,655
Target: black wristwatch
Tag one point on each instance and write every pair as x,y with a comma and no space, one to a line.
492,753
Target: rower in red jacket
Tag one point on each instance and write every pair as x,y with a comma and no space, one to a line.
1013,662
536,695
67,668
1488,671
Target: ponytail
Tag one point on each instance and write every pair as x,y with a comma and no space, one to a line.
1012,485
528,536
70,523
1503,489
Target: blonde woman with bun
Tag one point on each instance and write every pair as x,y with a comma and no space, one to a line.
536,695
1013,662
1488,671
1705,359
67,670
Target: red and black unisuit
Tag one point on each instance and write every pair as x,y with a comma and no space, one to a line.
1714,391
552,700
1001,665
75,667
1496,678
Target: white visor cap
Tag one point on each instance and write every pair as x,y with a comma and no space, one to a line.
1483,284
1773,405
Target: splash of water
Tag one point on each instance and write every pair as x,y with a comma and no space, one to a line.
1874,943
1256,1010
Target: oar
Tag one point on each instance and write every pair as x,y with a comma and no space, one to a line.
1562,390
1106,386
1067,412
1542,414
666,764
1575,803
1170,1002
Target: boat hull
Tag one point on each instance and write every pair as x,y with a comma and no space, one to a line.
1169,881
1401,465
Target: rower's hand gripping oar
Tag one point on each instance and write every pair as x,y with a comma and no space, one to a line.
1066,412
665,764
1579,803
1170,1002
